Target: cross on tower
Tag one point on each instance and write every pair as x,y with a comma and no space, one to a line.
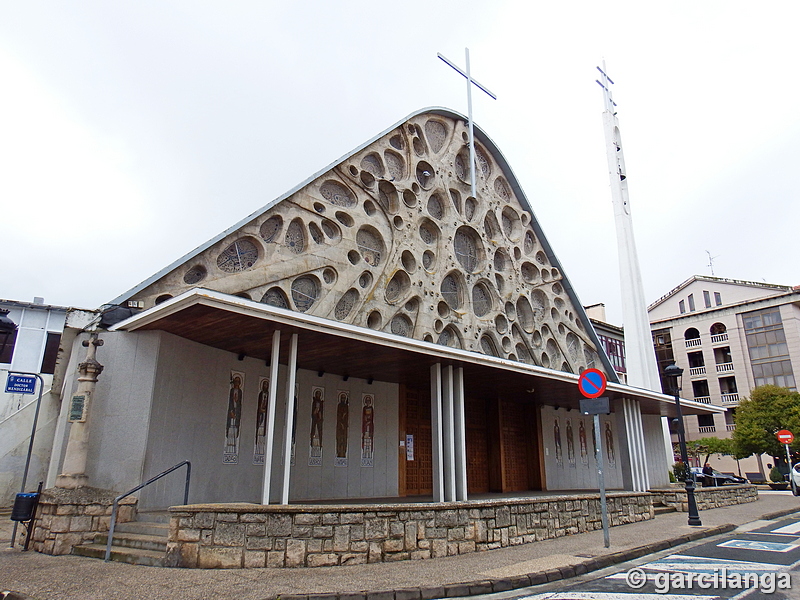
470,82
604,84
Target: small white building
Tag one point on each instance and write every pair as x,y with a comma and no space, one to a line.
34,349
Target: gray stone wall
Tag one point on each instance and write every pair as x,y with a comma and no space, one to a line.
250,536
66,518
707,497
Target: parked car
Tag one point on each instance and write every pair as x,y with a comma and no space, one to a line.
721,478
796,479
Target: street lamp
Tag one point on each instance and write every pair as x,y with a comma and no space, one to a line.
673,374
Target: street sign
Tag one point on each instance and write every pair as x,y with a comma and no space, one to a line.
785,436
595,406
592,383
21,384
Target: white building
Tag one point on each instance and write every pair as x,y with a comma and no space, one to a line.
728,336
34,348
376,332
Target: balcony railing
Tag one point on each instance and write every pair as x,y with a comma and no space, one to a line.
720,337
730,427
703,399
708,429
730,398
696,371
725,368
692,343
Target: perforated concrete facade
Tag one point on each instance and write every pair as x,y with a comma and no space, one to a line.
389,238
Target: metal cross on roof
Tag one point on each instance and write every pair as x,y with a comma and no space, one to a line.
605,85
470,82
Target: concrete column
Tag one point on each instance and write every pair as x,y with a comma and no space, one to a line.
448,437
436,433
460,434
73,474
632,415
287,438
273,400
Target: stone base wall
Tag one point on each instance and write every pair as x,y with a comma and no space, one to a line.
250,536
66,518
706,497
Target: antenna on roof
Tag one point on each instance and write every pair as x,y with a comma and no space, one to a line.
711,261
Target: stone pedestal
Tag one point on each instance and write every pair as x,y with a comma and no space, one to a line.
68,517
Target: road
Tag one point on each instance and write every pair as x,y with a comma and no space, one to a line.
757,561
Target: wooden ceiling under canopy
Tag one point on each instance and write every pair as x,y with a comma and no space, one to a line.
243,327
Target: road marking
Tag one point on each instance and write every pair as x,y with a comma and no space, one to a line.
699,564
614,596
754,545
791,528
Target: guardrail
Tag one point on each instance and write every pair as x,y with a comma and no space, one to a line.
136,489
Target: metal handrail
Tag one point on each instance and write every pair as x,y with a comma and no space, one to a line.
136,489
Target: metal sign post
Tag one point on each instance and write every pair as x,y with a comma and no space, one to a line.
786,437
19,382
592,384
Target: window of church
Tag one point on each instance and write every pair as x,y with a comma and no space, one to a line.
481,299
436,132
468,249
435,207
275,297
511,224
452,291
295,238
316,233
387,196
484,164
401,325
195,275
239,256
398,287
271,228
530,242
488,346
529,272
370,245
305,291
470,206
345,305
337,194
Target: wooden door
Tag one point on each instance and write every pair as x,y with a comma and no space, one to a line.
477,434
419,472
514,438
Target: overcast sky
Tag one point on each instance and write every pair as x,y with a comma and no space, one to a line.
132,132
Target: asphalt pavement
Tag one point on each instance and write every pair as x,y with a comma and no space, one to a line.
557,562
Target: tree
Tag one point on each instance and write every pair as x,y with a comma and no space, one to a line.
769,409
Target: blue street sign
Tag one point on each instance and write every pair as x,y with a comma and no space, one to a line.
21,384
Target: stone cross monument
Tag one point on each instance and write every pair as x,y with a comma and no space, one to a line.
74,470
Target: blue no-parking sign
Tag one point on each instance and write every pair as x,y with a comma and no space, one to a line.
592,383
21,384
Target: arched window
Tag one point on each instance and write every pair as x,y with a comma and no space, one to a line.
691,334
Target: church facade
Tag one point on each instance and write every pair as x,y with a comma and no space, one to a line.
377,332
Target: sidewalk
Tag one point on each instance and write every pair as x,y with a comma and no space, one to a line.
45,577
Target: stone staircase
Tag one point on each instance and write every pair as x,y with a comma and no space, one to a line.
661,509
140,542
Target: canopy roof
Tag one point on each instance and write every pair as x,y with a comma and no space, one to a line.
245,327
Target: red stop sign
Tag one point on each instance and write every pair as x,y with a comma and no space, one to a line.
785,436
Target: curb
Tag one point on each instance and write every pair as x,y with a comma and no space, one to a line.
489,586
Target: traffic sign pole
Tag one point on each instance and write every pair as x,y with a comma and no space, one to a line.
33,436
786,437
592,385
